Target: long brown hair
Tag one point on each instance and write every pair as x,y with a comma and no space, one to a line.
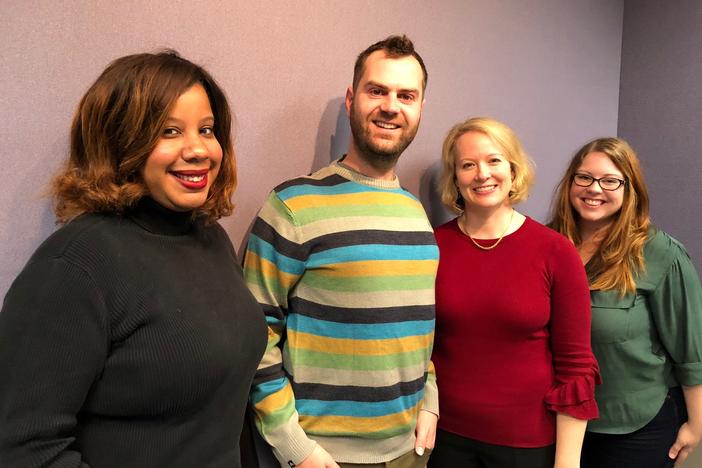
116,127
620,254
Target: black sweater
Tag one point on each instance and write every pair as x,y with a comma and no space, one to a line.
128,341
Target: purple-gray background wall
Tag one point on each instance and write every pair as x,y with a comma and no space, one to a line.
660,110
548,68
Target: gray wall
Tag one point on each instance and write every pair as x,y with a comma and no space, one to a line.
549,68
660,110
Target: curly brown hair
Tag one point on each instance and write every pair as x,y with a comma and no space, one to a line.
116,127
620,255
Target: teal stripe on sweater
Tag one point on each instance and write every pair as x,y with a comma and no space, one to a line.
360,331
355,253
265,250
341,189
360,409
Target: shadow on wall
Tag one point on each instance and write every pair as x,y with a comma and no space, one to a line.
429,196
331,143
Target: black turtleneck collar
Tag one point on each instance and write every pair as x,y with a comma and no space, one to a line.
157,219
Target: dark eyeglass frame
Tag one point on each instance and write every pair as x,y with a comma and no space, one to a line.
622,182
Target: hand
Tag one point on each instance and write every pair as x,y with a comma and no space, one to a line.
319,458
684,444
425,431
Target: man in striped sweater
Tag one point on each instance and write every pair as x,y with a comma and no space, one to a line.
343,262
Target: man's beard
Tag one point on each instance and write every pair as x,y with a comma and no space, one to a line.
379,156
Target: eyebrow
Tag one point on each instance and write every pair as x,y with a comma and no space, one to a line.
487,155
209,118
382,86
587,173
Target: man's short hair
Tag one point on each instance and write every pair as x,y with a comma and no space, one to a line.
394,47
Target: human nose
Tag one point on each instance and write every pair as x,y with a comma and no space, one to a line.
483,172
389,104
195,148
594,186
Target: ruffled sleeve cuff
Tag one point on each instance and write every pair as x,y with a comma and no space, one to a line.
576,397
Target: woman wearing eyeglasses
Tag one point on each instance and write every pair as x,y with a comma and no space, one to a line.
646,313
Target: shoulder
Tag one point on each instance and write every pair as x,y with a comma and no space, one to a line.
558,253
661,251
446,230
662,246
88,231
545,236
219,238
319,182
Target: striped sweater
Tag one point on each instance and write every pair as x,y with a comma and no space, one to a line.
344,267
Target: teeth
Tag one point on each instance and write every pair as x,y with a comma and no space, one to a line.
191,178
591,202
389,126
484,189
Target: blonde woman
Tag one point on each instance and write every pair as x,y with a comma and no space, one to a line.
646,313
512,347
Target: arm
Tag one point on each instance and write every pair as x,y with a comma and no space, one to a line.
54,343
690,433
569,440
575,368
428,416
676,308
273,264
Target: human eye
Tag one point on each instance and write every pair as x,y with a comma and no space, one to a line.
610,182
585,179
495,160
467,165
170,132
406,97
375,92
207,131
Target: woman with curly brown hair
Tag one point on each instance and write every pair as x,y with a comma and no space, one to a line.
130,339
646,313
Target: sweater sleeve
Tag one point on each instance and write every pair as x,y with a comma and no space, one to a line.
575,368
273,264
676,308
54,343
431,391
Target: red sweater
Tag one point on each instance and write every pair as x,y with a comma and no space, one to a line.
512,342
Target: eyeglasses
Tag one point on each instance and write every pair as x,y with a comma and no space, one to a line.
606,183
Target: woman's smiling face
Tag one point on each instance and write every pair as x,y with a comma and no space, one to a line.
595,206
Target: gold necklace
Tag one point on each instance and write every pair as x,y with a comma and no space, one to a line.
489,247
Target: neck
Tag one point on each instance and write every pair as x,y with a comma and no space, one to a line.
591,236
487,224
592,232
356,161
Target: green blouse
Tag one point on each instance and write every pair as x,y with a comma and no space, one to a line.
649,341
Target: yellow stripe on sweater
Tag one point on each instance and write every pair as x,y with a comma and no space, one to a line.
380,268
359,199
349,347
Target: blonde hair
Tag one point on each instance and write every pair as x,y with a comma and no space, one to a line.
620,254
504,138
